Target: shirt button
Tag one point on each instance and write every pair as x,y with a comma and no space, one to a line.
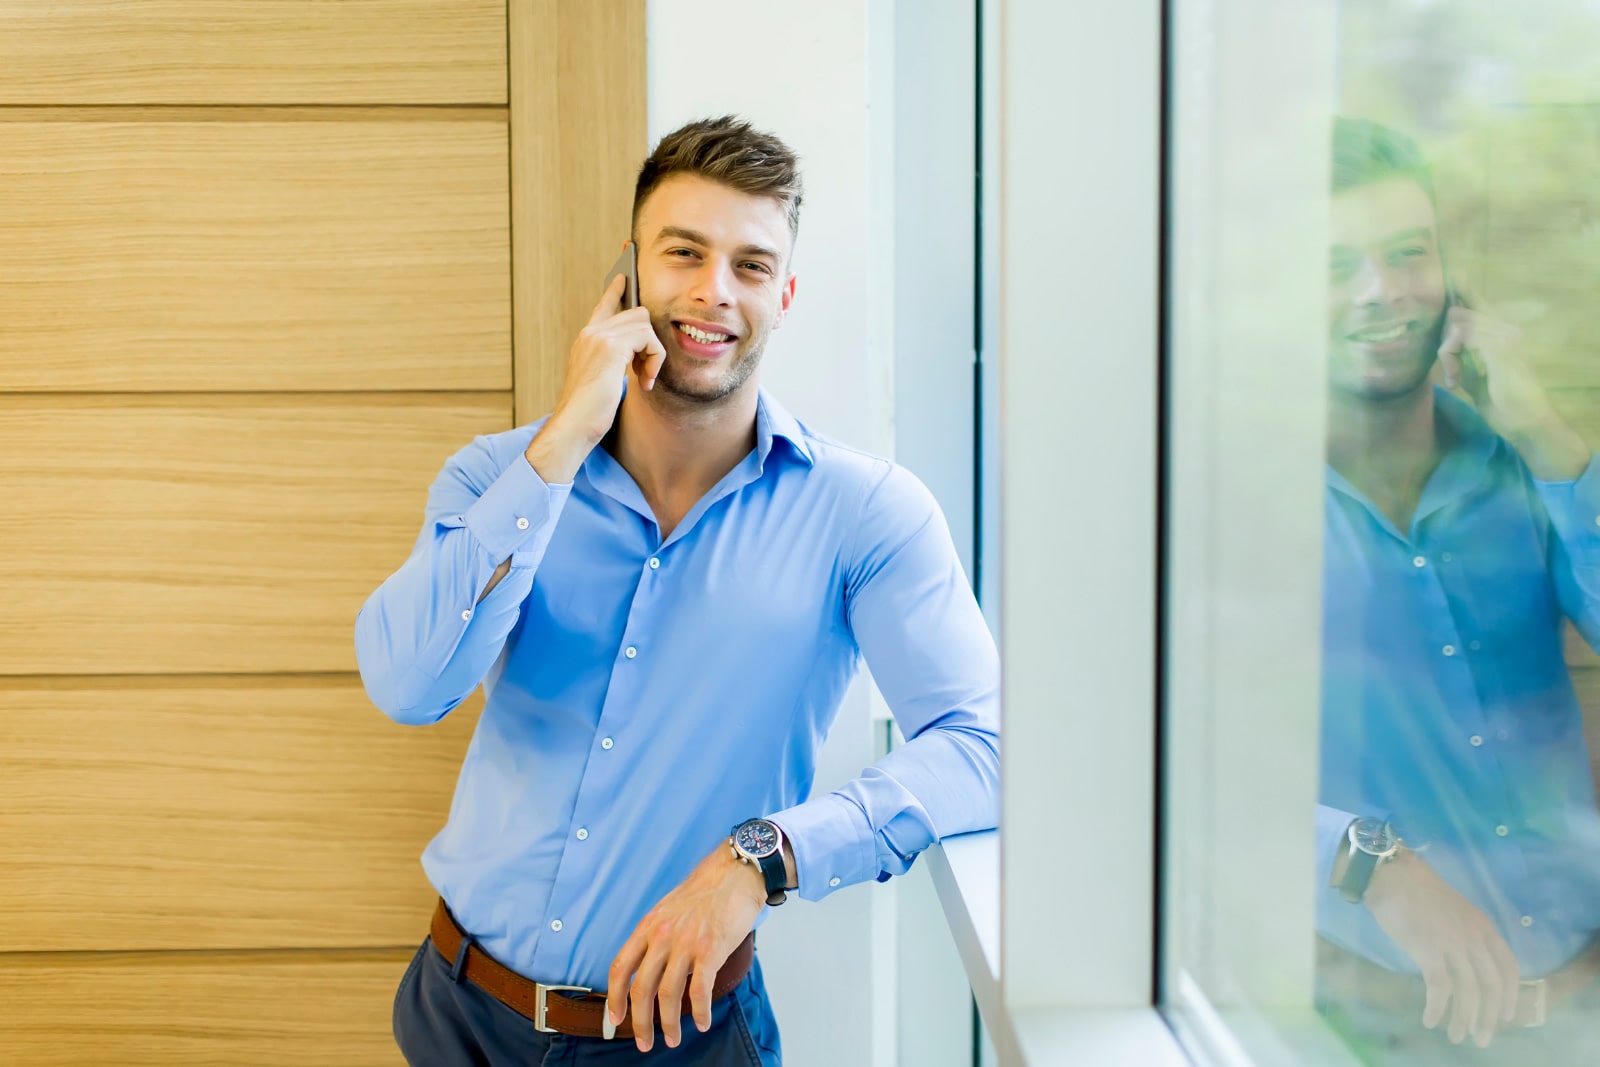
522,524
1502,734
630,652
1502,829
466,615
583,835
606,743
1446,558
555,924
1476,740
1475,645
833,882
655,564
1527,920
1420,562
1449,650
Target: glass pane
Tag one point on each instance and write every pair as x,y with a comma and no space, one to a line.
1447,909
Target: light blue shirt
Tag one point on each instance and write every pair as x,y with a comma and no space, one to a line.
1447,704
644,696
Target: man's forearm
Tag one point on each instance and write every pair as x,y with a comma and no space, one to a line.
1553,451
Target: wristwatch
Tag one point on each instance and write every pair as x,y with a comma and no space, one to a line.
760,842
1372,841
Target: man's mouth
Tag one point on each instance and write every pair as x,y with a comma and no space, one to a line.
1381,335
705,337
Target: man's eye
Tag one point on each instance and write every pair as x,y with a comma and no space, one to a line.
681,252
762,267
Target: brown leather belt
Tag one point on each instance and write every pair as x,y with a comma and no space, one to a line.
557,1009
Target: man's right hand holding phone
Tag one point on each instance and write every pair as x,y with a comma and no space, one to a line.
613,341
1465,962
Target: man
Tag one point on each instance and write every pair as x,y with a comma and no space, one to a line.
1459,836
664,588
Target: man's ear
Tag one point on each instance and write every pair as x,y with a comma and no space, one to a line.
788,298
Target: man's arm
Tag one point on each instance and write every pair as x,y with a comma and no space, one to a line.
913,615
426,637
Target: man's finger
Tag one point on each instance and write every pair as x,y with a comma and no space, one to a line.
701,984
1510,977
622,969
1436,977
610,301
647,361
642,995
673,979
1492,1001
1467,997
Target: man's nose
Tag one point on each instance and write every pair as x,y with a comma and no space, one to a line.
713,284
1375,283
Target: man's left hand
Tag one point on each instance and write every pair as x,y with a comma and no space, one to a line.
684,940
1482,356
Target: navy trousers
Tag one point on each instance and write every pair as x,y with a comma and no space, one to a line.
442,1022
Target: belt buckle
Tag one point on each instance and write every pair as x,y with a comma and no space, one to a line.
539,992
1537,992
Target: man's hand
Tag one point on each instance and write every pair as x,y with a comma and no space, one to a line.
1482,356
685,939
1462,956
612,342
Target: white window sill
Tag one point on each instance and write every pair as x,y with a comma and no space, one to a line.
966,873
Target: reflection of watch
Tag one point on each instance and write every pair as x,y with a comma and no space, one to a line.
760,842
1372,841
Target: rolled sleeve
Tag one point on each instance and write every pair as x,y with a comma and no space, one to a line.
516,512
1574,510
834,844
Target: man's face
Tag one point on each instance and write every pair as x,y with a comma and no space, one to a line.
1386,290
713,270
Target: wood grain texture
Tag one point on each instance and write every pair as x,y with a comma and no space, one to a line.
578,137
247,51
176,1010
218,533
320,250
216,814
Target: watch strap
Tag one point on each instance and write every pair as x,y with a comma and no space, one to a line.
777,876
1357,875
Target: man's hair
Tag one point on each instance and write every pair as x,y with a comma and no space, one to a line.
1365,153
730,151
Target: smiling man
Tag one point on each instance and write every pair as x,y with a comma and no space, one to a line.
1459,835
664,588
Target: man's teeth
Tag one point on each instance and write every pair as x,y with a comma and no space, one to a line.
1393,333
702,336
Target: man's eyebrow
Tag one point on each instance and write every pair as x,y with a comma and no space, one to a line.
696,237
1409,235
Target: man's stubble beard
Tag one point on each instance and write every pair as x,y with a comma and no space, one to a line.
740,370
1423,360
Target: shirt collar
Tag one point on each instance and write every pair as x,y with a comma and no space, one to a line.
772,421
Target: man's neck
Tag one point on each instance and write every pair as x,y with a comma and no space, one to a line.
1385,447
675,449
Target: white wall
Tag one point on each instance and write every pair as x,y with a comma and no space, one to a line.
821,77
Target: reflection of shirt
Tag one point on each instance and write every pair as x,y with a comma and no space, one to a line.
646,695
1446,700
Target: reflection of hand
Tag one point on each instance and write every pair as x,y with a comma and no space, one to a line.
1482,356
1462,956
684,940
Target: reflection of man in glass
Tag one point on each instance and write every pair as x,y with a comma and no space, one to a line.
1458,537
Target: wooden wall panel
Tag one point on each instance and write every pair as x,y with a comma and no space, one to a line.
213,249
217,533
578,136
217,814
247,51
173,1010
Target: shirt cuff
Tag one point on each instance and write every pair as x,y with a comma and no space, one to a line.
1574,507
833,842
516,513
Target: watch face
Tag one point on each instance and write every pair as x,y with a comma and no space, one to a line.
757,838
1374,837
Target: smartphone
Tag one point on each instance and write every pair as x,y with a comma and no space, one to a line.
627,265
